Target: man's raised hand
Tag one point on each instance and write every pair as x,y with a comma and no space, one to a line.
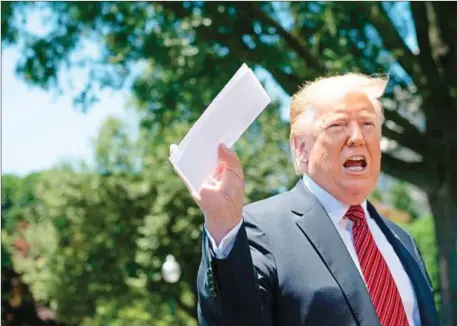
221,197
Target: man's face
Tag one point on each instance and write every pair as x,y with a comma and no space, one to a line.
343,149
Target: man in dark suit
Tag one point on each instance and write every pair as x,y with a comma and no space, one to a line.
318,254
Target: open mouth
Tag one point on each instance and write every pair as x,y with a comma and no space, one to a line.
356,163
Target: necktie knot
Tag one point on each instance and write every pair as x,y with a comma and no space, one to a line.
356,214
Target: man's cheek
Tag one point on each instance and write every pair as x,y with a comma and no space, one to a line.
324,158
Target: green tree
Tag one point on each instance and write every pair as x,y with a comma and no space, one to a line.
401,199
190,48
19,306
108,231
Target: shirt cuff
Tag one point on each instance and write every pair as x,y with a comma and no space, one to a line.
226,245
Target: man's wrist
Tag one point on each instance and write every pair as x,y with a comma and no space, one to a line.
223,249
218,230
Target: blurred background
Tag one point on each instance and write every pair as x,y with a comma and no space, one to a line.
96,227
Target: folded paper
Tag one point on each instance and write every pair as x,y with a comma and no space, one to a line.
228,116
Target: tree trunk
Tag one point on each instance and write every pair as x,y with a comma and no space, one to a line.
444,210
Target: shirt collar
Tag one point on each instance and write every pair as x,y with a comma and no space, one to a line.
334,208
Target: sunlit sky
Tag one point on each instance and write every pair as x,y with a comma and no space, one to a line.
40,129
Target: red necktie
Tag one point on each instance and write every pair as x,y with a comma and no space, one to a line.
380,283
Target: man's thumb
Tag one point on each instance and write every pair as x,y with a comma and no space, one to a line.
228,156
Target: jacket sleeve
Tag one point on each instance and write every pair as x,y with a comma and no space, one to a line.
239,289
226,244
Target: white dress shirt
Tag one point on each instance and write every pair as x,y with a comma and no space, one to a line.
336,211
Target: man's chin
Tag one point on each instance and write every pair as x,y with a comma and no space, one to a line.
356,191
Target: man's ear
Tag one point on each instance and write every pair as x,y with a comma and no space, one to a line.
299,143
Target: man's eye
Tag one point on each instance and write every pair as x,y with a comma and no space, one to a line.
368,123
336,125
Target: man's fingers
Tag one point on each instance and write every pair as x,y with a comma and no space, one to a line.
237,171
211,182
231,168
221,180
228,156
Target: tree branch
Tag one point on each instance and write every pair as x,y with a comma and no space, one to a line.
447,53
294,43
391,38
421,22
289,82
437,88
414,173
411,137
402,139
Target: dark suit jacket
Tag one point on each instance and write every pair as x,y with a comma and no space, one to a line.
290,267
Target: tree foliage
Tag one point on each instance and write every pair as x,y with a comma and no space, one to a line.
402,200
97,239
176,56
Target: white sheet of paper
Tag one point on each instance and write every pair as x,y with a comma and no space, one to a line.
224,121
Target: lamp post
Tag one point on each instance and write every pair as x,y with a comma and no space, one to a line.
171,272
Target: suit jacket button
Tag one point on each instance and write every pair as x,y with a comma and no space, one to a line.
211,284
212,288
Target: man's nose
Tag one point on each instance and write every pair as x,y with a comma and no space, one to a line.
355,135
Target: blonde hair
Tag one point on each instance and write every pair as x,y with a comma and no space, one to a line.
325,92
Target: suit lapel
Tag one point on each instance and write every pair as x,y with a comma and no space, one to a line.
411,265
317,226
400,247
